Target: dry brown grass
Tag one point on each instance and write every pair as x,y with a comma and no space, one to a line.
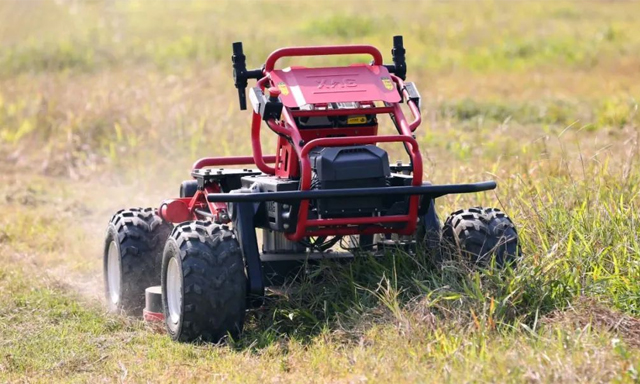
106,105
587,312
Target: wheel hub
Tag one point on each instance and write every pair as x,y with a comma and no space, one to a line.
174,293
113,273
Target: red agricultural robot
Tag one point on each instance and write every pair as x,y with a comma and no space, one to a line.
327,186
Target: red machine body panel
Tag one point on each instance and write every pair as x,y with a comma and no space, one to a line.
300,86
365,85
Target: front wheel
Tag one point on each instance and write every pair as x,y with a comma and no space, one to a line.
479,234
204,286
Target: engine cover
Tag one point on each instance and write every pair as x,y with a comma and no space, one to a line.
363,166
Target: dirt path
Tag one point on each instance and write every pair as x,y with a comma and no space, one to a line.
57,225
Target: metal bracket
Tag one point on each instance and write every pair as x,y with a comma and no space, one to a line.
243,224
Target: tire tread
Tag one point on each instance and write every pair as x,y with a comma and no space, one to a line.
480,233
214,281
141,234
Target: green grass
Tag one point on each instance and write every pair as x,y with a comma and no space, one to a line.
104,106
394,319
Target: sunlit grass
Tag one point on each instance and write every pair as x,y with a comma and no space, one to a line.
106,105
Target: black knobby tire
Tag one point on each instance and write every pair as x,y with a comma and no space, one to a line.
479,233
137,237
188,188
213,284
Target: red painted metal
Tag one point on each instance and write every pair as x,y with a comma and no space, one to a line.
299,86
342,141
311,134
357,83
184,209
342,112
228,161
279,128
286,160
289,147
361,220
256,122
152,317
357,230
416,116
175,210
322,51
217,209
302,229
415,111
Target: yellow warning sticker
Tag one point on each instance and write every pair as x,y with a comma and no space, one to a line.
284,90
356,120
387,83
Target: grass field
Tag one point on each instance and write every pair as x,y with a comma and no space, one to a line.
105,105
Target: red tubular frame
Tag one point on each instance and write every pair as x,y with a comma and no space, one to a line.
287,127
322,51
233,160
305,184
415,110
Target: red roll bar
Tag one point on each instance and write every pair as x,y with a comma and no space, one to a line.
323,51
305,184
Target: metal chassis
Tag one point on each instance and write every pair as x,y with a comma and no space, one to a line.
210,202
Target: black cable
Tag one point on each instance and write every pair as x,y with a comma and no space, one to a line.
320,244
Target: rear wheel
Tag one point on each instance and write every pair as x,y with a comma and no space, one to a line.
479,234
204,286
132,257
188,188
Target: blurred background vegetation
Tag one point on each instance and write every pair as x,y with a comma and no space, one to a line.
90,83
106,104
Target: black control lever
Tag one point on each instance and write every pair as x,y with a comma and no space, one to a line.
399,67
397,53
240,73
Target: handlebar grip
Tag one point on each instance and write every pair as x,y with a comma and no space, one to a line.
399,62
239,73
237,48
398,42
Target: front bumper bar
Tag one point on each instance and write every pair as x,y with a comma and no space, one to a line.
293,196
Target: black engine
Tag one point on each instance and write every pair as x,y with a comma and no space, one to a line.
362,166
365,166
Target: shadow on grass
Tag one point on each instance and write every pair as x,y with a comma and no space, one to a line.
351,297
